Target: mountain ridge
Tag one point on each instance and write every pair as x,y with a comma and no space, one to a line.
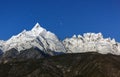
49,44
94,42
39,53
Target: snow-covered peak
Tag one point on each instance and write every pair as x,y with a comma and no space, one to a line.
91,42
48,41
93,36
36,37
37,29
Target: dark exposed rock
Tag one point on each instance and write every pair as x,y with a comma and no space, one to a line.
32,53
66,65
10,53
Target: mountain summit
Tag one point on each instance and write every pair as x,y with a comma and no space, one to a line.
37,29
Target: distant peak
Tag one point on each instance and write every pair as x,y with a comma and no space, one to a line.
93,35
38,28
74,36
37,25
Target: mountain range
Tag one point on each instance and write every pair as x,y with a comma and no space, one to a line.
40,53
38,43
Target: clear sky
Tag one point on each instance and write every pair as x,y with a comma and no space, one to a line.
63,17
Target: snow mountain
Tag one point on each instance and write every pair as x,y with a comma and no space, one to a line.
37,37
91,42
38,43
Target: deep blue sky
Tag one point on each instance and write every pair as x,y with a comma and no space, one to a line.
63,17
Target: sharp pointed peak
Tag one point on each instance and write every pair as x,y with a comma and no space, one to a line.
37,25
37,29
